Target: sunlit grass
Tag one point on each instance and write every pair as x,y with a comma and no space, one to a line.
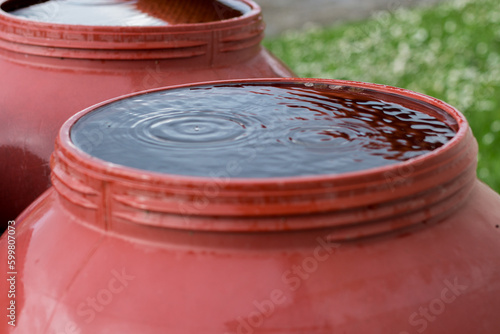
450,51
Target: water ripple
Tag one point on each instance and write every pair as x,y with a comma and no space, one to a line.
258,130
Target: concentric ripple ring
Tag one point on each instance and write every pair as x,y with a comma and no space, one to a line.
203,128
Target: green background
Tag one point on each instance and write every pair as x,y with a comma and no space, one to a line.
450,51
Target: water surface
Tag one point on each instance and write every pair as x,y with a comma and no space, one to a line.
258,130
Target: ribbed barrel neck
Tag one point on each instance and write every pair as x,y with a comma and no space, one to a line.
356,204
211,42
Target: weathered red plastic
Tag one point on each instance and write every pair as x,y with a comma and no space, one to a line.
405,248
51,71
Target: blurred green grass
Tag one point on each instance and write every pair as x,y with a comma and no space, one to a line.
450,51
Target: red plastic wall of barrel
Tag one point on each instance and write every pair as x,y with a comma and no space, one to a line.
407,248
51,71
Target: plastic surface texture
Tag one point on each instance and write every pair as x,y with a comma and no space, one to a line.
405,248
51,71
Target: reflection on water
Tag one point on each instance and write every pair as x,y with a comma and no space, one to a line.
131,12
257,130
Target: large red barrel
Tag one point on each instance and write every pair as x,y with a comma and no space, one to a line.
52,65
283,206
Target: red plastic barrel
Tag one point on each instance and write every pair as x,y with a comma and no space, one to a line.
52,70
405,247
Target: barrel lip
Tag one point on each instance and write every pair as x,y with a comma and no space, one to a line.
47,39
403,184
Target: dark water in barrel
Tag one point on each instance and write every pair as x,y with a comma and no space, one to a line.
259,130
128,12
